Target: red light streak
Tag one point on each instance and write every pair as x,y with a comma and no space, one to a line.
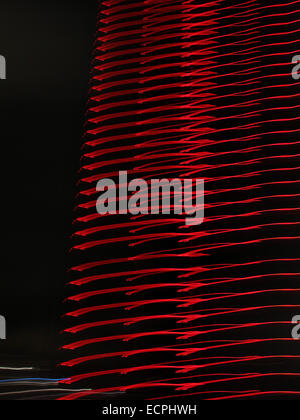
180,89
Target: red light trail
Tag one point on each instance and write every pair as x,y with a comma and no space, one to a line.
182,89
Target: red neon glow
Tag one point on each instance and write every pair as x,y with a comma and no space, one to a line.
188,90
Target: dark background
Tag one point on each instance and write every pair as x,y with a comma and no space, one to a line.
48,48
47,45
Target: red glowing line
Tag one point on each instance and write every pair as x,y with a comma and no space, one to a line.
179,88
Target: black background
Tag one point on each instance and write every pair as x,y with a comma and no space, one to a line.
48,48
47,45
